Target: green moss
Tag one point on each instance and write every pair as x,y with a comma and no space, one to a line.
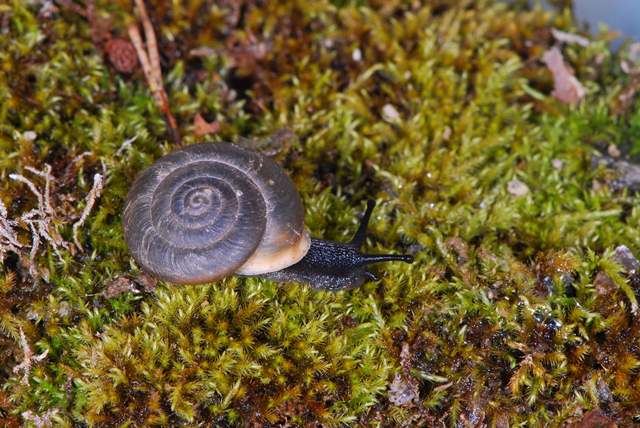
515,311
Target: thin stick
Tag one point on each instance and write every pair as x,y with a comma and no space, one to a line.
150,62
152,43
136,39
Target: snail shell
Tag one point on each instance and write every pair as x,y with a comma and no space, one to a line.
206,211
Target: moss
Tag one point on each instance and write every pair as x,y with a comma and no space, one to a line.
516,311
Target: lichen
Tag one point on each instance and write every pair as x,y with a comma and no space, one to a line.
517,311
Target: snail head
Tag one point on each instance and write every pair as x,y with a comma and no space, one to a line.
335,266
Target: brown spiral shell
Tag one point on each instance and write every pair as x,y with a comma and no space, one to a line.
208,210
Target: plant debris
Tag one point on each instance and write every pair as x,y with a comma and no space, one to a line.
520,310
122,55
566,87
28,359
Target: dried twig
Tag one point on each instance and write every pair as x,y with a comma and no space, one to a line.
94,193
149,58
152,43
566,87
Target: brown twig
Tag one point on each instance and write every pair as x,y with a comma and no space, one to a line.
150,61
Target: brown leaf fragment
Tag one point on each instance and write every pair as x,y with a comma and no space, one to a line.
147,282
594,419
118,286
566,87
201,127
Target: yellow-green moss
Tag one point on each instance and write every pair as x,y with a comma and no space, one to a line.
515,311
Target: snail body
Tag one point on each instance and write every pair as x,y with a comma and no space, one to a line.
215,209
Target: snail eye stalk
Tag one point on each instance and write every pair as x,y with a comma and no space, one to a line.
358,241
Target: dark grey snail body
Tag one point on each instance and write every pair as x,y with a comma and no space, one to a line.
335,266
214,209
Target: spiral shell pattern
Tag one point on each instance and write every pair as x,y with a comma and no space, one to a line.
198,214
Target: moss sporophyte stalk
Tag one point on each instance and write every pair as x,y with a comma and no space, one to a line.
499,142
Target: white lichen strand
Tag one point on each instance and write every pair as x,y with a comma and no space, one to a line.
40,221
48,178
30,185
126,145
28,359
94,193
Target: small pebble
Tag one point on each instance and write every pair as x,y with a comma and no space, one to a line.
390,114
446,133
357,55
626,259
517,187
29,135
613,151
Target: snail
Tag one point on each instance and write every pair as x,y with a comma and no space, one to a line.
210,210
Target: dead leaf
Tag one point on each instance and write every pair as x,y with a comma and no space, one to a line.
566,87
117,286
147,282
202,127
517,187
595,419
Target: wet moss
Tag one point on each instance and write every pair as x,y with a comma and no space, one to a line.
517,309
